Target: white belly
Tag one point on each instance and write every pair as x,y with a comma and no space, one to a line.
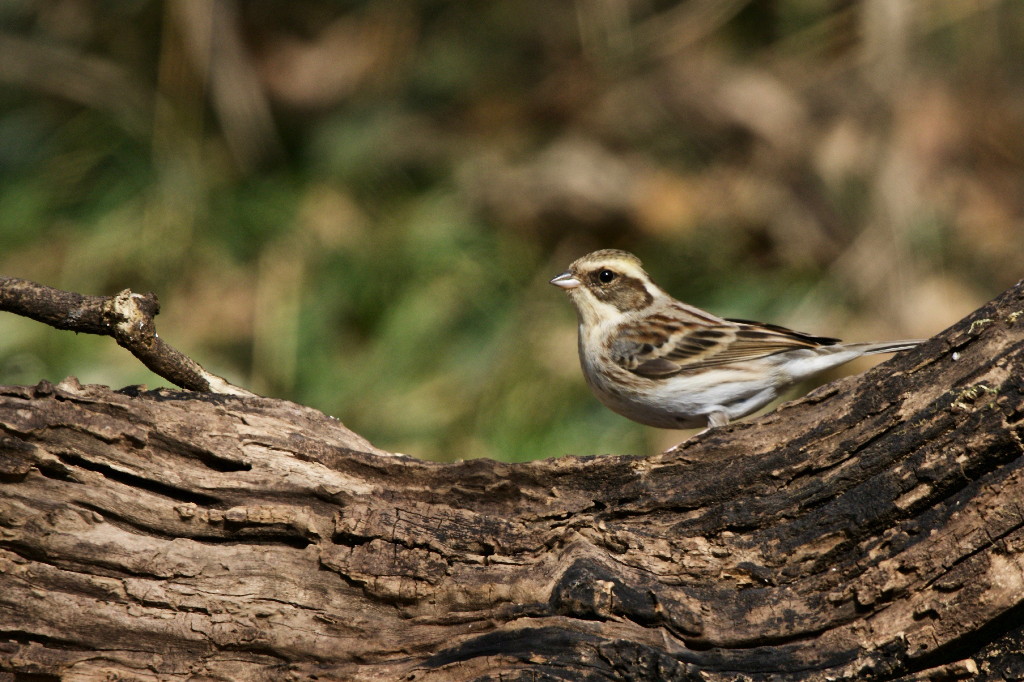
684,402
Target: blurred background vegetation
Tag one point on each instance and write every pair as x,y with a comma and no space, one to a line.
357,205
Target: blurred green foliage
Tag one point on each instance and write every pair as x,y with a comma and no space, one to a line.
357,206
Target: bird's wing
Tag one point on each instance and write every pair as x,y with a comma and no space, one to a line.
661,345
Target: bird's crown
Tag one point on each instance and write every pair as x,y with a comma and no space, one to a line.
606,257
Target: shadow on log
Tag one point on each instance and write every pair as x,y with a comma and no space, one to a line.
872,530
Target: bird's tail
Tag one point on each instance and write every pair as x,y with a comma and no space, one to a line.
885,346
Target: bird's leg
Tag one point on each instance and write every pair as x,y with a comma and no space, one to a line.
717,418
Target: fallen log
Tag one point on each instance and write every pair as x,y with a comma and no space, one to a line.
872,530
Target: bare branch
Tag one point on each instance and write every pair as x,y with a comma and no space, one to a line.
126,317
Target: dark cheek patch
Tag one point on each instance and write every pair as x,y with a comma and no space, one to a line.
624,292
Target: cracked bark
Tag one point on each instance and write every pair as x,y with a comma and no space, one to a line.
872,530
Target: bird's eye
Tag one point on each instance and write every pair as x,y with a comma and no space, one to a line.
605,276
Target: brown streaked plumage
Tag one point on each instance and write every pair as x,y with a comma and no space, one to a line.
664,363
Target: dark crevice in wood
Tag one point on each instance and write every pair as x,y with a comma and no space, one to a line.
74,566
209,459
257,538
133,481
1006,627
351,540
354,583
86,567
519,644
234,532
1002,639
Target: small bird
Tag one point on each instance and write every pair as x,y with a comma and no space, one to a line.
661,362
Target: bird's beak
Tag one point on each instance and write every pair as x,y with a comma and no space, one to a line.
566,281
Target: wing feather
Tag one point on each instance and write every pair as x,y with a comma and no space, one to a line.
663,346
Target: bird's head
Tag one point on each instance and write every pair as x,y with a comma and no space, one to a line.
607,284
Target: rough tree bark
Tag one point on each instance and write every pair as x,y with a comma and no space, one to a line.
872,530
